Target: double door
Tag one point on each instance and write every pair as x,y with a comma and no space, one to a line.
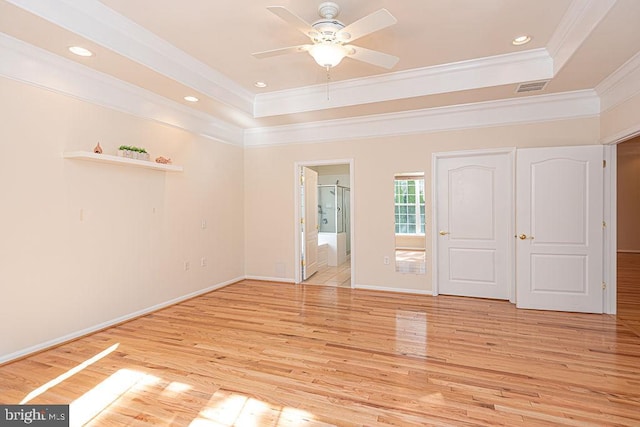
538,244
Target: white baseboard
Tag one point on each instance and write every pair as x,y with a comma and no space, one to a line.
74,335
629,251
397,290
270,279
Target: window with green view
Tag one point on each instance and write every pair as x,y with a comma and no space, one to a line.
409,205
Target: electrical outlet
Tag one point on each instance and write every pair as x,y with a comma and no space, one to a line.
187,265
386,260
203,262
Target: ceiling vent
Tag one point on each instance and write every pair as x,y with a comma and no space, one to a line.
532,86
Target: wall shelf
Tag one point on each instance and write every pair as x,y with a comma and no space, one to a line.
106,158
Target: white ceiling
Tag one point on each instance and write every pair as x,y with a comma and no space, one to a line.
453,52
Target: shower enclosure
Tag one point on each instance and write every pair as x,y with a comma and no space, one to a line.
334,222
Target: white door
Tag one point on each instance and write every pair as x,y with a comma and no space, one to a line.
559,228
474,208
309,199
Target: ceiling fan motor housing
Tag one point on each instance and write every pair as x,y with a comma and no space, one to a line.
326,30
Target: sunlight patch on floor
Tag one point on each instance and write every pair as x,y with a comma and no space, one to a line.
43,388
96,400
174,388
228,410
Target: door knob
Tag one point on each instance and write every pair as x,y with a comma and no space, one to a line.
443,233
524,237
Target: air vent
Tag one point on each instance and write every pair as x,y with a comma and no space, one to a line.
531,86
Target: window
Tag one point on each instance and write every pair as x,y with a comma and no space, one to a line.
409,205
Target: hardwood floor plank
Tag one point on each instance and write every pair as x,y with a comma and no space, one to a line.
277,354
629,290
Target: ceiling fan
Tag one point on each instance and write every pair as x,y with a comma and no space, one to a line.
331,38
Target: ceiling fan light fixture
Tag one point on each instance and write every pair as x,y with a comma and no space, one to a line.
327,55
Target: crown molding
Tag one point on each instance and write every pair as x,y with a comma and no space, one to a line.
578,22
96,22
24,62
621,85
563,106
535,64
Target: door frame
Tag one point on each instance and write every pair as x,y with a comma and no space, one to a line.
297,214
510,152
610,238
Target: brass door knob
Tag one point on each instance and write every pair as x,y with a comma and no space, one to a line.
443,233
524,237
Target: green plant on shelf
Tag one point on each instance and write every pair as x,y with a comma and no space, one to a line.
133,152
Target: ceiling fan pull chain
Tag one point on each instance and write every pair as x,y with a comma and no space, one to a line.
328,78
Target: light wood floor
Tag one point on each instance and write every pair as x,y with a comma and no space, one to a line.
332,275
265,354
629,290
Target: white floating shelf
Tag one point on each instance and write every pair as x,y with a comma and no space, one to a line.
106,158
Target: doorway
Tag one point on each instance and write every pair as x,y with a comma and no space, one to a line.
328,208
628,233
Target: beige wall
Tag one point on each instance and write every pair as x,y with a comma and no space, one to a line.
269,194
628,195
621,120
84,243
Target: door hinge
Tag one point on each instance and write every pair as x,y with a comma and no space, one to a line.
604,163
302,262
301,220
301,180
604,224
604,285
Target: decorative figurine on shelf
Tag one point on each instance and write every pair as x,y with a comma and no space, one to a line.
163,160
97,149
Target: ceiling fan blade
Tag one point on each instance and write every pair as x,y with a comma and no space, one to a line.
292,19
282,51
374,57
367,25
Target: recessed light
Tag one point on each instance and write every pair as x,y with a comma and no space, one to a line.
520,40
80,51
260,84
191,99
